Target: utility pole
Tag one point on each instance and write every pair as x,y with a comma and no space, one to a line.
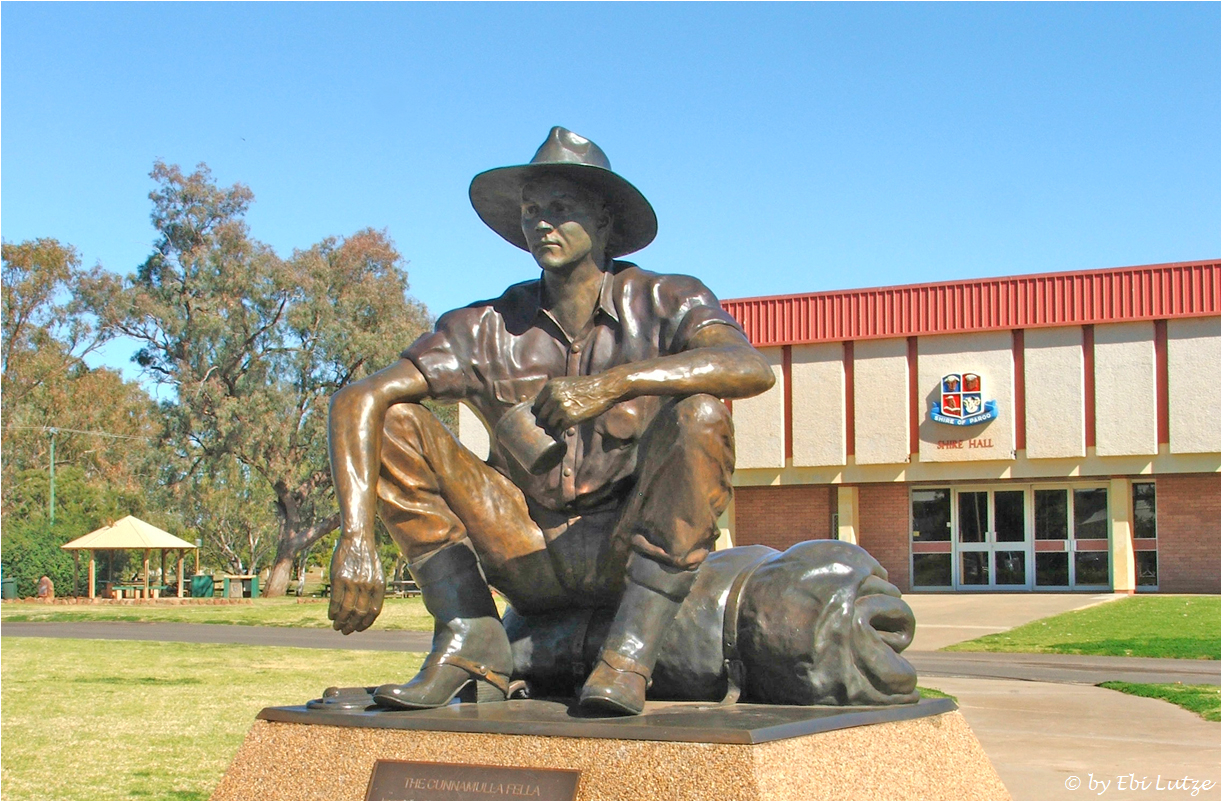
53,432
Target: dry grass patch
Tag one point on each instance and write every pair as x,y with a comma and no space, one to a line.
92,719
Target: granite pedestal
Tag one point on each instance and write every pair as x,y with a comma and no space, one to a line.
672,751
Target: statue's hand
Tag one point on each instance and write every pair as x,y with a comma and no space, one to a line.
357,585
569,400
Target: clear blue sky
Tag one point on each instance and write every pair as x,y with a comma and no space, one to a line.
786,148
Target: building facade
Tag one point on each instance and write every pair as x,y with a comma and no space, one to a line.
1044,432
1053,432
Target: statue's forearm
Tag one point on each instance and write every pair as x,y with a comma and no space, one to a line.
718,361
355,443
726,371
357,415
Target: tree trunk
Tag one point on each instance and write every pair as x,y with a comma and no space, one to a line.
281,571
293,538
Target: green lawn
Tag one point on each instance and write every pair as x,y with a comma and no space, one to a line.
131,720
931,693
1141,626
1204,700
285,611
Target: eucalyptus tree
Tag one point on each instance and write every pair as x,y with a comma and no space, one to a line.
249,346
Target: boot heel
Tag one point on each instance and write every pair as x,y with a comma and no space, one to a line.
479,692
487,692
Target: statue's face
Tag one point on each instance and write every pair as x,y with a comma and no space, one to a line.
563,223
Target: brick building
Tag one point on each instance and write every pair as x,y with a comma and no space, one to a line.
1046,432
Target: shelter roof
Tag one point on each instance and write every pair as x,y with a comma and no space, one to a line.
129,533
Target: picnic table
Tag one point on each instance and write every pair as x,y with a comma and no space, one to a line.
403,587
399,588
135,591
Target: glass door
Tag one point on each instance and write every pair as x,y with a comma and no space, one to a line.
992,542
1072,544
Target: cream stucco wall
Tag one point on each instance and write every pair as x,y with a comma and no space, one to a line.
817,372
880,402
1195,384
759,422
1055,393
1125,414
472,432
990,354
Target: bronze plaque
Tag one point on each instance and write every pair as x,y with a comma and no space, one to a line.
410,779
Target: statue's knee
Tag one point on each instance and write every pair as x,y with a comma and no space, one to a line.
407,422
703,414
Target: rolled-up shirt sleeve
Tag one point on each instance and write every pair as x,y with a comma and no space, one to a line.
686,306
445,356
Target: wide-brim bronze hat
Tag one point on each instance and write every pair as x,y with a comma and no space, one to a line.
497,194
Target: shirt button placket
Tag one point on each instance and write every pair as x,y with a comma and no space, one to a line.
569,481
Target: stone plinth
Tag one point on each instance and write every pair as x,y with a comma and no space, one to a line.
913,752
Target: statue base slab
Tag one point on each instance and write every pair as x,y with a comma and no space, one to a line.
672,751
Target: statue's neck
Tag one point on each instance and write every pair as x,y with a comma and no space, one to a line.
572,296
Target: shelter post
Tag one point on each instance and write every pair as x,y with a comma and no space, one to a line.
146,573
161,577
179,574
93,572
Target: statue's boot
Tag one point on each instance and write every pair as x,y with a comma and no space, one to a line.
471,657
650,602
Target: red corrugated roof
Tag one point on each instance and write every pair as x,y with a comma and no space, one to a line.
1149,292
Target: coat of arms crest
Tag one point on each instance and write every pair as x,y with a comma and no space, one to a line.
961,401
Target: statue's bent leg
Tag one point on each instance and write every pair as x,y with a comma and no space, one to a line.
439,502
433,492
685,463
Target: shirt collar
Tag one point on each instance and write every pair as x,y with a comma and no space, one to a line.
606,300
606,296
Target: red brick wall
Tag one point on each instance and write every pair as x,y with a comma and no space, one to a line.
883,527
782,516
1189,533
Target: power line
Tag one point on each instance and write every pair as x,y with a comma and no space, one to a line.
57,429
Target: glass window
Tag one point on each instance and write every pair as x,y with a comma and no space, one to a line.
1011,567
931,516
1090,515
973,517
931,570
1147,569
1052,569
1144,519
1008,517
1090,568
974,567
1052,515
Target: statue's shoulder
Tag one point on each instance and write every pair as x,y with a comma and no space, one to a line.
666,289
518,301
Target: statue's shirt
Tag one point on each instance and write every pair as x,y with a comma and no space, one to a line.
495,354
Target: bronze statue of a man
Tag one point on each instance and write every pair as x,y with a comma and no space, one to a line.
623,367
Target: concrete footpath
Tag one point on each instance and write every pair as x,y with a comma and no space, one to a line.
946,618
1049,733
1054,741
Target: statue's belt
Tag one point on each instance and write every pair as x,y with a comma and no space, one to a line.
736,671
